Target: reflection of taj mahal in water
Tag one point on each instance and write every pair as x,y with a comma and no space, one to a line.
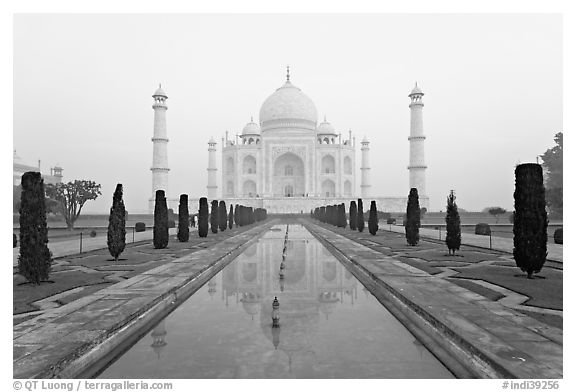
313,278
290,163
314,284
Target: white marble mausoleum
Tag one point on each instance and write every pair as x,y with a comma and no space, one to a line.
289,162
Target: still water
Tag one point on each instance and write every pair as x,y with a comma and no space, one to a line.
330,325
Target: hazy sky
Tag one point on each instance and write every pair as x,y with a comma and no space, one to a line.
493,85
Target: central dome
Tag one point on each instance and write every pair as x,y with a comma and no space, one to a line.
288,106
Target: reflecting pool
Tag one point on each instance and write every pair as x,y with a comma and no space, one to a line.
330,325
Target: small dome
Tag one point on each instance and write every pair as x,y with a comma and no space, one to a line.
288,103
325,128
251,128
160,93
416,90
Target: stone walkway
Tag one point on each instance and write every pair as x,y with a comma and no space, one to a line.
555,251
501,341
66,340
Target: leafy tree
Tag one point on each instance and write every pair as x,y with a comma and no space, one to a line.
35,259
183,219
495,211
203,217
222,216
553,162
353,215
530,219
412,223
453,232
360,218
373,218
71,197
117,225
423,211
231,217
214,217
160,221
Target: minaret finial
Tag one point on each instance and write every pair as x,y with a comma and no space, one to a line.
324,118
251,119
287,73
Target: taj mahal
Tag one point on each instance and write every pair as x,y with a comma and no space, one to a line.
288,161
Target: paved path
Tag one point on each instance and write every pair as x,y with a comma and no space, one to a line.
72,246
503,343
65,341
555,251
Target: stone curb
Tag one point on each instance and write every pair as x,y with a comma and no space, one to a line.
459,355
86,360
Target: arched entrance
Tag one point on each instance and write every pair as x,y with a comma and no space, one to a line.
288,178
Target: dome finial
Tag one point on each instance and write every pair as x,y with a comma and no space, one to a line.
251,119
324,118
287,73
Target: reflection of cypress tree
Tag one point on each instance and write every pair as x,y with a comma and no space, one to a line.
453,233
183,219
160,221
231,217
222,216
530,219
412,224
203,217
117,225
373,218
353,215
35,259
360,219
214,217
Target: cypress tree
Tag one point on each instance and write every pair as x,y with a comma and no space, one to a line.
231,217
453,233
335,213
530,219
222,216
183,219
412,224
360,216
353,215
203,218
341,215
35,259
236,215
373,218
117,225
160,221
214,217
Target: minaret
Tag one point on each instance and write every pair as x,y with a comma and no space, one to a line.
212,186
417,166
159,167
365,169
